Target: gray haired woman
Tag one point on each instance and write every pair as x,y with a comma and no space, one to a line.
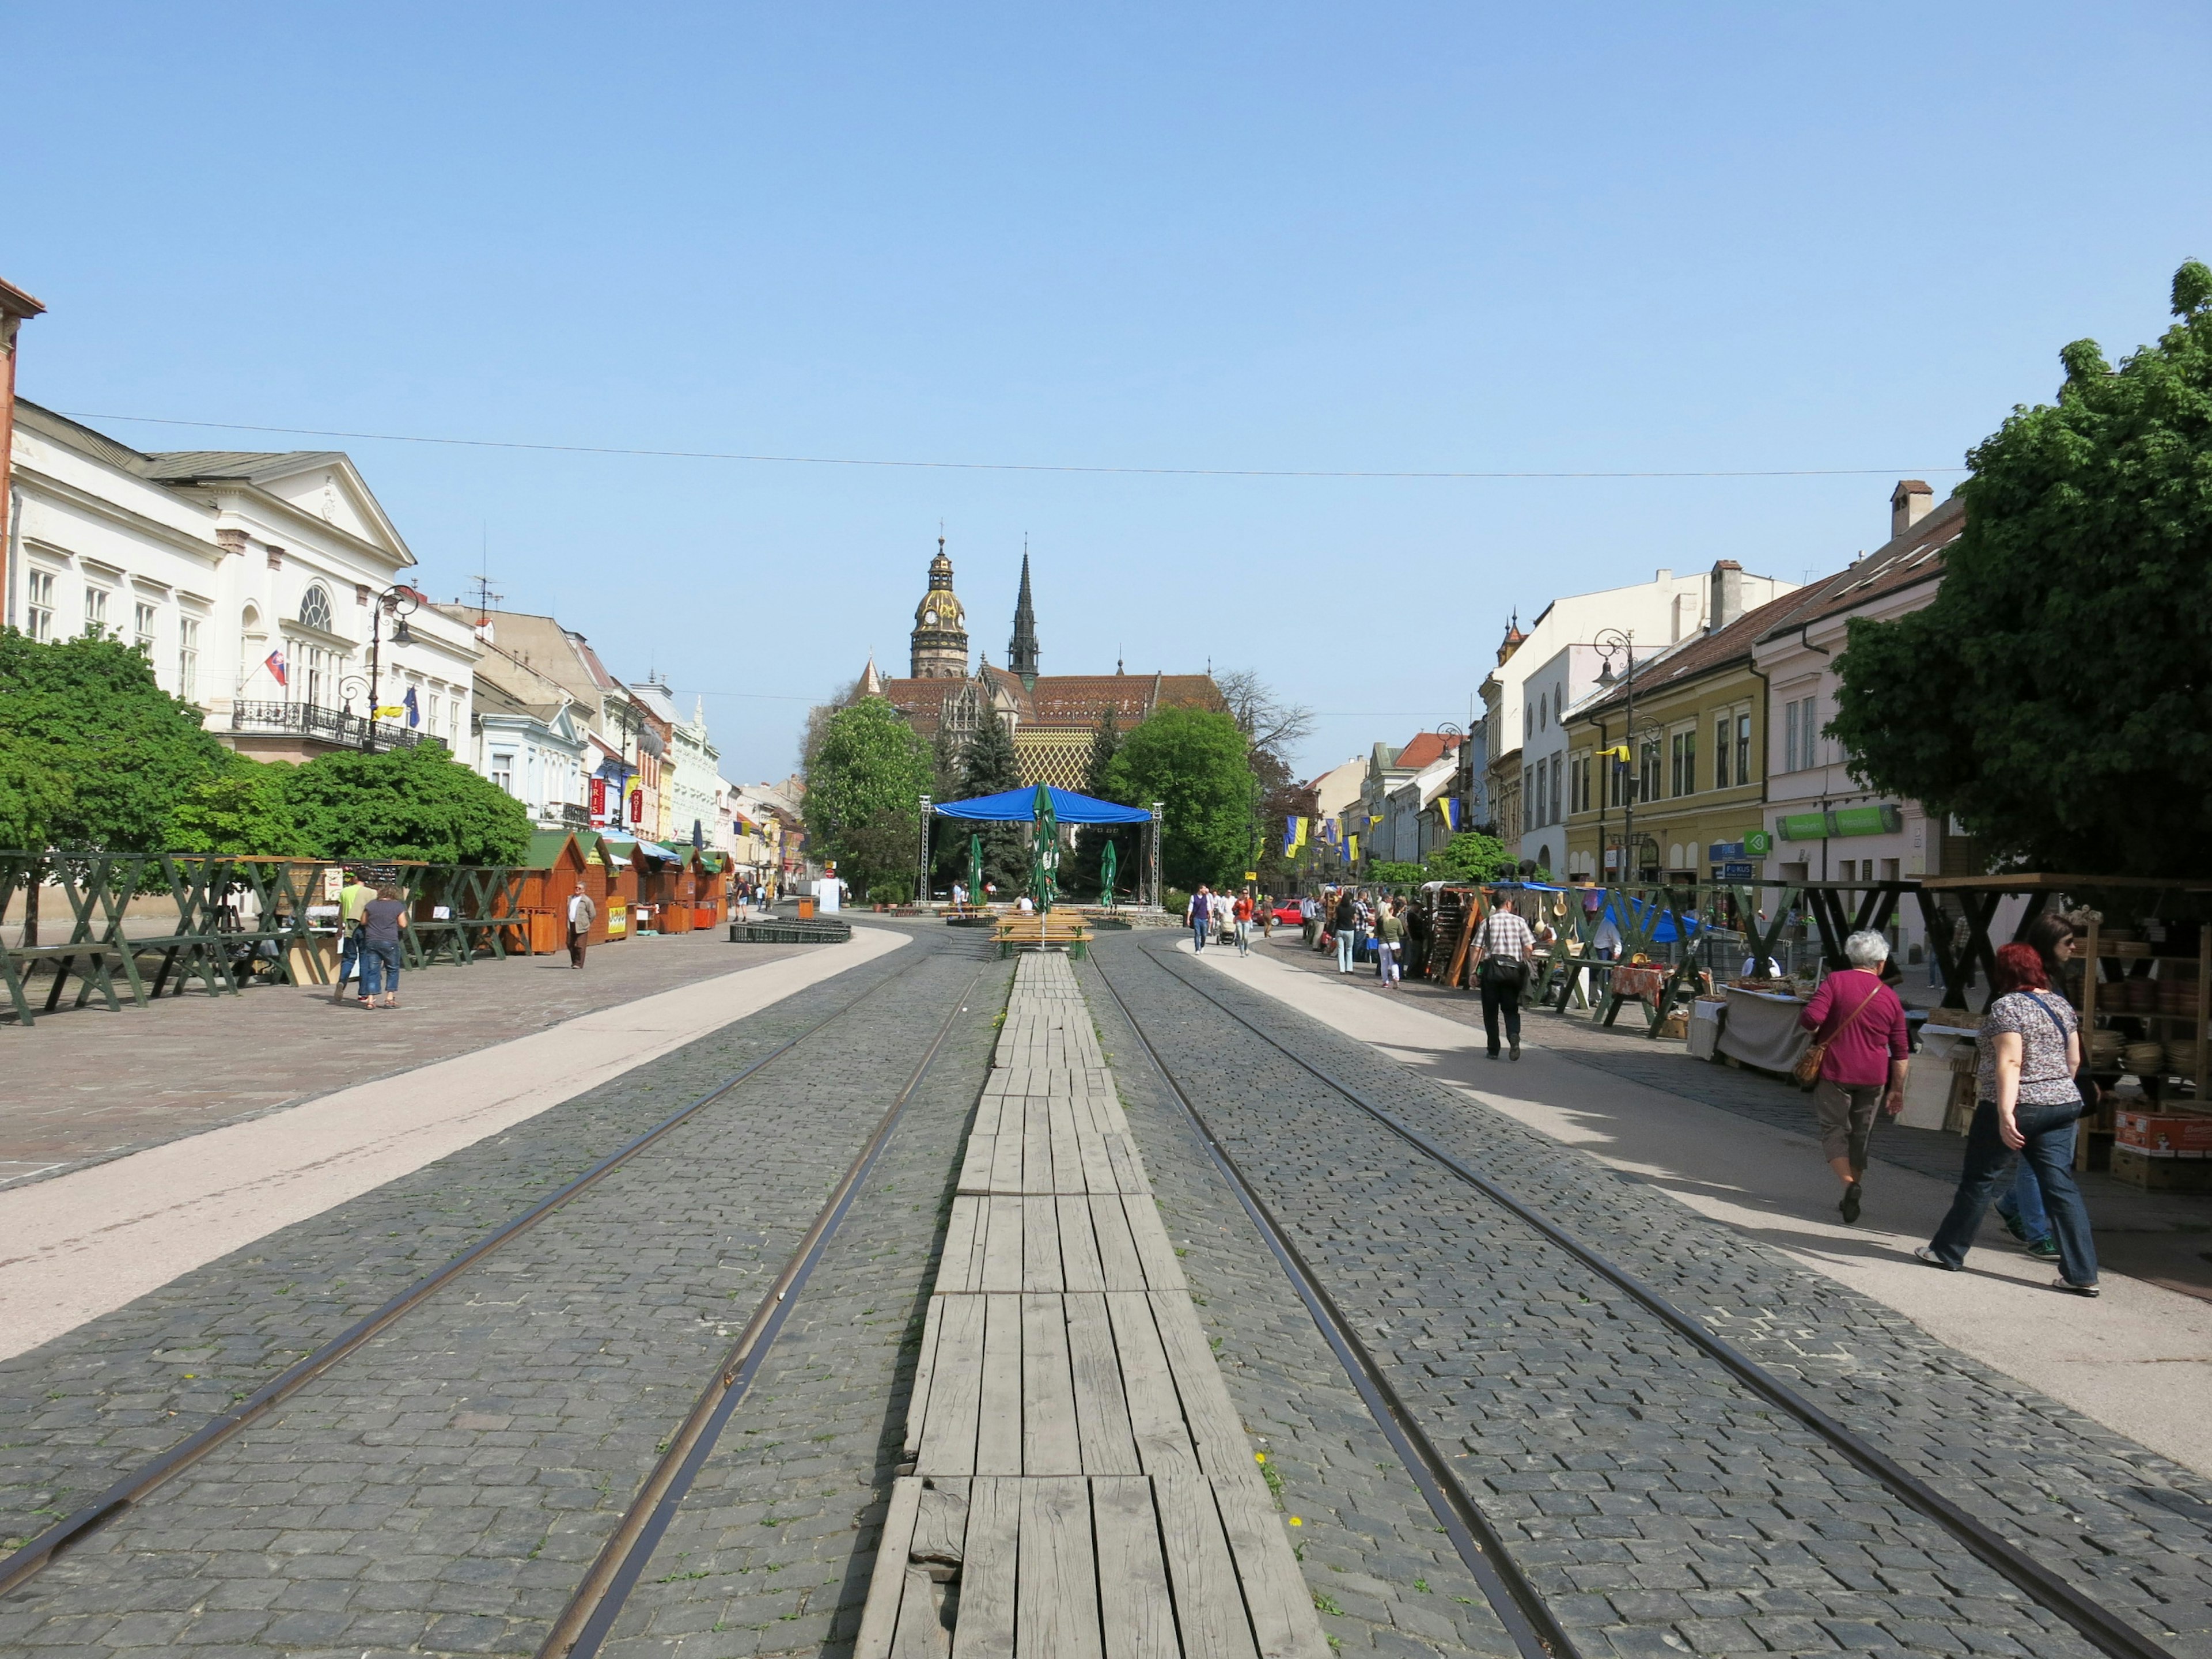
1861,1024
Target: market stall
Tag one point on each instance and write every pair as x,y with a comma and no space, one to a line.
1760,1027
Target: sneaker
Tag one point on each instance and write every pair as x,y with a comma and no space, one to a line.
1849,1206
2043,1250
2012,1225
1924,1253
2073,1289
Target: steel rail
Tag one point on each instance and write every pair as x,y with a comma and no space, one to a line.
585,1623
2104,1629
34,1555
1520,1605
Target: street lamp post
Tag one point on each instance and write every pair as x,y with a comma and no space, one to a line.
1609,643
398,602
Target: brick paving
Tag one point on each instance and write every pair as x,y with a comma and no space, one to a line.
1665,1508
441,1489
86,1085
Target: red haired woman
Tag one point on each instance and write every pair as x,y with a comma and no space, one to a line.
2030,1049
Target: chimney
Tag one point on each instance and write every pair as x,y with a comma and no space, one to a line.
1908,504
1724,601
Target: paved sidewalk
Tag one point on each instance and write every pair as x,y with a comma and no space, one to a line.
87,1084
2138,1360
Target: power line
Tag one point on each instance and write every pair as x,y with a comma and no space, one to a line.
1005,466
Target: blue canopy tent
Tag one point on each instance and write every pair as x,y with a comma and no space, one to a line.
1047,808
1020,806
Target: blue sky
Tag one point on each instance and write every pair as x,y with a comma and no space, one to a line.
1564,239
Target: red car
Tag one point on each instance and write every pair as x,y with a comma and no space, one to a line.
1286,914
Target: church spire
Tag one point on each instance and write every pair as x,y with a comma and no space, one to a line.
1021,653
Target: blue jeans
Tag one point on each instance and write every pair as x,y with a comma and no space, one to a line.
1198,933
2050,1157
348,956
380,967
1344,950
2023,1201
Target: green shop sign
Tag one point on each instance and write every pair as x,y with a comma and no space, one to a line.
1845,821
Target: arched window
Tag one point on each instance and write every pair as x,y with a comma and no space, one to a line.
315,608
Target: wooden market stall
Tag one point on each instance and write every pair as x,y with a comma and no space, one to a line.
618,878
553,869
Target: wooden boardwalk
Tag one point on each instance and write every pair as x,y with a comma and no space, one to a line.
1078,1483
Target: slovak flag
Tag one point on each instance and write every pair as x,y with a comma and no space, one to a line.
275,664
414,711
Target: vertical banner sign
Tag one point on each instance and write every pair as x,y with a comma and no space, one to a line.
599,800
636,807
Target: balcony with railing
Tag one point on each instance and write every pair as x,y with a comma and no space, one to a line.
335,727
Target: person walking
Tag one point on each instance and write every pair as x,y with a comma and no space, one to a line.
1198,914
581,914
2019,1206
1346,923
1858,1024
1389,940
1503,947
2031,1047
381,919
1309,920
1243,912
353,898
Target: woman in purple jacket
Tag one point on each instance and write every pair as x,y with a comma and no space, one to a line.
1864,1024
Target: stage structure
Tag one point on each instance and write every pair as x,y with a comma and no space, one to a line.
1047,811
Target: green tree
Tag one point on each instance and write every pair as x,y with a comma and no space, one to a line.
1086,868
2056,694
863,788
417,802
96,756
244,808
1194,761
988,766
1472,856
948,856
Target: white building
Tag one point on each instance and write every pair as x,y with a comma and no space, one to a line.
250,579
1556,663
1826,825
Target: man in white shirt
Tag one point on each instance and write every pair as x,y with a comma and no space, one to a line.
581,914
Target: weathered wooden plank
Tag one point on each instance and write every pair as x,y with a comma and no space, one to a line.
1276,1598
986,1627
1006,1162
948,1433
1128,1170
1041,1251
1156,1422
1102,1409
1136,1614
975,1164
1050,1444
932,1562
1096,1162
955,1267
1056,1598
1212,1607
1002,1244
1067,1157
1162,1270
1224,1451
1117,1245
1080,1268
887,1583
999,1412
1037,1146
917,1397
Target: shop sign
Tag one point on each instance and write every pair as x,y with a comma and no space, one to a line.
1802,826
1758,844
1868,820
637,807
1742,872
1721,851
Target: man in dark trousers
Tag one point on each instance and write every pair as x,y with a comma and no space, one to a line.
581,914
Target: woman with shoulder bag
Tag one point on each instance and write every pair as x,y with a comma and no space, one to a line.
1503,947
2030,1049
1857,1062
2020,1203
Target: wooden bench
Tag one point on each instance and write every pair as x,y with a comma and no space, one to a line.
1052,930
1073,1460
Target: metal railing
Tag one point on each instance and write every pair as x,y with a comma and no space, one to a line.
310,720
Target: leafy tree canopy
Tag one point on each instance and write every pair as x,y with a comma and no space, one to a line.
988,766
244,808
1472,856
1194,761
2056,694
864,787
96,754
416,803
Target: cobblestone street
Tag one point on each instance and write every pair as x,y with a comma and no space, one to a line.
445,1488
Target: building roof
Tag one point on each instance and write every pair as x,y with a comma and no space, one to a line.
1902,561
252,467
1072,701
1707,653
1425,749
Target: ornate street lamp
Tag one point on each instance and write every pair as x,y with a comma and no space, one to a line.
397,602
1613,642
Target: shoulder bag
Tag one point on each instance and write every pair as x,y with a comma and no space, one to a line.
1806,1071
2031,1120
1501,973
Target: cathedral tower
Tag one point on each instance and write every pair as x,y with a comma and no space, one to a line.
1021,653
940,627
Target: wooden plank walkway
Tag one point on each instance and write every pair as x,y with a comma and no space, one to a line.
1077,1481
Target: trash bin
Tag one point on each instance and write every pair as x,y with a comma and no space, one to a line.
805,909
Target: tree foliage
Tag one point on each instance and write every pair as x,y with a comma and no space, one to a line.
1472,856
988,766
864,789
96,754
417,802
1086,871
1196,762
2056,694
244,808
